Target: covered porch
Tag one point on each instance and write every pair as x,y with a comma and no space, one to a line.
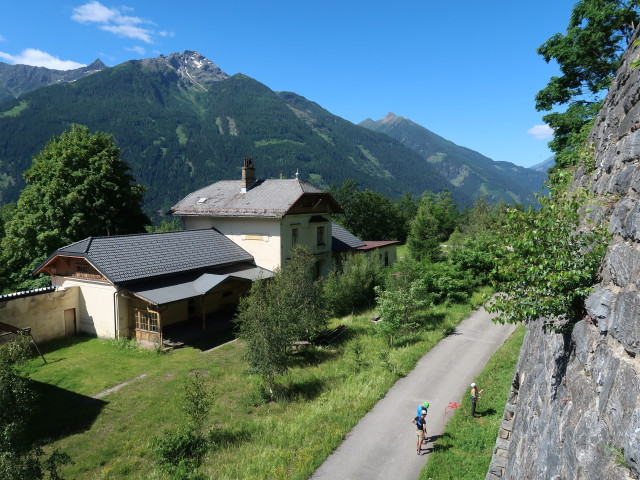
184,309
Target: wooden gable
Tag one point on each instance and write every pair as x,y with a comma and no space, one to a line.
314,203
71,266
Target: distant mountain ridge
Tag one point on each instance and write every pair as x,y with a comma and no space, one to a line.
463,167
545,165
182,123
16,80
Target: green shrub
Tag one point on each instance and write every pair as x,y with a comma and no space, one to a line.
349,287
178,453
448,283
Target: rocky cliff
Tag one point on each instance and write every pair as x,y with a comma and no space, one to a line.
574,408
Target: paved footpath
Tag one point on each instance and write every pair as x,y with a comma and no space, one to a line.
383,444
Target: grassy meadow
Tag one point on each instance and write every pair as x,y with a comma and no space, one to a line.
328,390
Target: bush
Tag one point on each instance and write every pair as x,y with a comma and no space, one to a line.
441,282
179,453
349,287
401,309
448,283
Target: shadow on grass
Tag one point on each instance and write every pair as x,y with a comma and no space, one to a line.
212,341
486,413
54,345
226,437
305,390
433,320
312,356
441,443
60,413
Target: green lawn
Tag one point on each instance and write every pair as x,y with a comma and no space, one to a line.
328,390
465,449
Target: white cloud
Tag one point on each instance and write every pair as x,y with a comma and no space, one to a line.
541,132
93,12
137,49
2,39
38,58
129,31
112,20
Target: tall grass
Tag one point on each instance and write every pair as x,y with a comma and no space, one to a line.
320,399
465,449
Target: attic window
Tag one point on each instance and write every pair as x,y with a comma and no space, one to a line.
202,199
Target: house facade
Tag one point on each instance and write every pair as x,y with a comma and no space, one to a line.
138,286
265,217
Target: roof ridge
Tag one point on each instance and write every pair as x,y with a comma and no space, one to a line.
142,234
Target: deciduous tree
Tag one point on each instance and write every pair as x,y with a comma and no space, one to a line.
76,187
370,215
547,265
279,311
588,55
20,459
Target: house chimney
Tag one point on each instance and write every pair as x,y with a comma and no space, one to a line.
248,175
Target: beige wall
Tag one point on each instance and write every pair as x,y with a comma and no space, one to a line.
97,311
258,236
308,236
269,240
44,313
387,255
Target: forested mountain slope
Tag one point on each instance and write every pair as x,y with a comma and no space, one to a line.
182,123
463,167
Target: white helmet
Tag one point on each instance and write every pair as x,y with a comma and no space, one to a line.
473,385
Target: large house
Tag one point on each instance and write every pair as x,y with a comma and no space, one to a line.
145,286
265,217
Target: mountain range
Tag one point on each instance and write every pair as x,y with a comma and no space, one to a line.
18,79
182,123
463,167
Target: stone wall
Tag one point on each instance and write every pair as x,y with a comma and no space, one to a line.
574,410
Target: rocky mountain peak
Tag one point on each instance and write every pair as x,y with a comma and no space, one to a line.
96,66
390,117
194,69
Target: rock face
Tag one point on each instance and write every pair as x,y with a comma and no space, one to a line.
574,408
188,69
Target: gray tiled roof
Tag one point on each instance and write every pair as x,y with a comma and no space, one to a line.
124,258
190,285
265,198
343,240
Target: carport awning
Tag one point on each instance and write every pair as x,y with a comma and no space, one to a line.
174,289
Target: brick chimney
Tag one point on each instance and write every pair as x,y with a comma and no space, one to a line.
248,175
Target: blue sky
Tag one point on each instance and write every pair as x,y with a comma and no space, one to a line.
466,70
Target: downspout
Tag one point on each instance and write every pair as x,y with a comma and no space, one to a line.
203,311
116,312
